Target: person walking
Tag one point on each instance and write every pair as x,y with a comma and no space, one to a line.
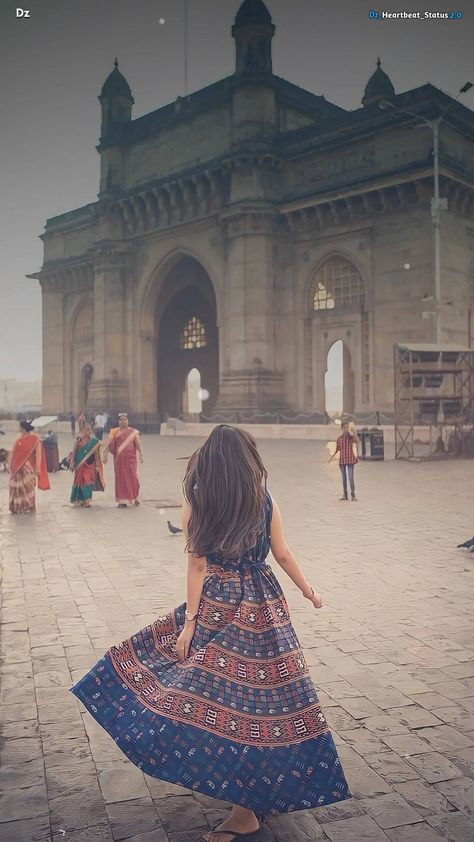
27,470
72,421
346,446
86,463
99,425
125,446
216,696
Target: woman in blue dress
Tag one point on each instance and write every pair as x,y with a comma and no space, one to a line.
216,696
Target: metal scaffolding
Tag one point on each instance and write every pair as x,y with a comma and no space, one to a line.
434,388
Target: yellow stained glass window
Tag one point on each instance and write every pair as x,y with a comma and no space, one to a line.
339,285
194,335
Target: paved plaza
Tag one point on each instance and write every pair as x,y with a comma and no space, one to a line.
392,651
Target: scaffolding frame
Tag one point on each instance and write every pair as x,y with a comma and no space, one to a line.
434,387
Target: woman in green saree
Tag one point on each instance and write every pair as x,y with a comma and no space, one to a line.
86,463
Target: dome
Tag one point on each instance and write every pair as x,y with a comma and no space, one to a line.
116,84
378,87
252,12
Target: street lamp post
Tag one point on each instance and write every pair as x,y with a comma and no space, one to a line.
437,203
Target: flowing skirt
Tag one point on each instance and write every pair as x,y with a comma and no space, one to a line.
84,483
22,491
238,720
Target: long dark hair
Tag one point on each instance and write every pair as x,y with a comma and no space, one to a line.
27,426
225,485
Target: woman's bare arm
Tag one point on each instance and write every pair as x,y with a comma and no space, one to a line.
287,561
197,569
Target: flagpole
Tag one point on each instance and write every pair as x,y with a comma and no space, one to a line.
185,47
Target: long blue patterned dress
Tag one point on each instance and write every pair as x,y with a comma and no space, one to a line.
240,718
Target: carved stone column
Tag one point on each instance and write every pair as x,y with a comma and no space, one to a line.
249,383
53,343
112,282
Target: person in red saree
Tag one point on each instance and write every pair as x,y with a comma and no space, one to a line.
27,469
86,463
124,445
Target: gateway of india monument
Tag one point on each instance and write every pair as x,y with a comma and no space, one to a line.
242,230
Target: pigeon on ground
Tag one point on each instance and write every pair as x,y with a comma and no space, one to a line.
175,530
467,544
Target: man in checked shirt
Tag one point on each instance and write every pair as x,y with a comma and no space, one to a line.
347,457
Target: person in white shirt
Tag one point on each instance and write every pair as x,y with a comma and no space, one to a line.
99,425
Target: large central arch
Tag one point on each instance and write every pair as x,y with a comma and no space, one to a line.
186,337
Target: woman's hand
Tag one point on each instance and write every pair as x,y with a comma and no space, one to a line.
317,600
183,643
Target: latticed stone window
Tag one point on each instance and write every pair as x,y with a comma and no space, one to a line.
338,286
84,325
194,335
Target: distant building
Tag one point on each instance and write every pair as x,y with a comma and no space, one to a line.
244,229
15,395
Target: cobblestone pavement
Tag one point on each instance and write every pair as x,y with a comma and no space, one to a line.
392,651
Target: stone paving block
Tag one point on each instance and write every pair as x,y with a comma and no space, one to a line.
14,713
453,689
161,789
23,803
391,767
406,744
465,670
77,777
364,742
390,810
360,707
432,700
340,720
122,782
414,716
350,830
415,833
20,751
453,826
464,760
96,833
458,717
384,725
337,812
434,767
132,818
23,774
26,830
425,799
365,783
77,810
460,793
151,836
301,827
341,690
445,738
387,697
179,815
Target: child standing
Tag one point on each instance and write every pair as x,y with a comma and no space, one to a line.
216,696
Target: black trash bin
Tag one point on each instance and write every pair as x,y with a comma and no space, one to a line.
364,443
52,455
377,448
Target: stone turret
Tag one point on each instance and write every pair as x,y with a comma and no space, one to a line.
116,102
253,31
378,87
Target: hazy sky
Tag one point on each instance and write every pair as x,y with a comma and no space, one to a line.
54,63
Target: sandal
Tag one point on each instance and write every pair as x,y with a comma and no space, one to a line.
122,506
235,834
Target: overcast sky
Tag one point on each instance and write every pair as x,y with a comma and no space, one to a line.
54,63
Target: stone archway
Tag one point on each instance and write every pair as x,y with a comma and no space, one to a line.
339,380
338,314
187,337
87,375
